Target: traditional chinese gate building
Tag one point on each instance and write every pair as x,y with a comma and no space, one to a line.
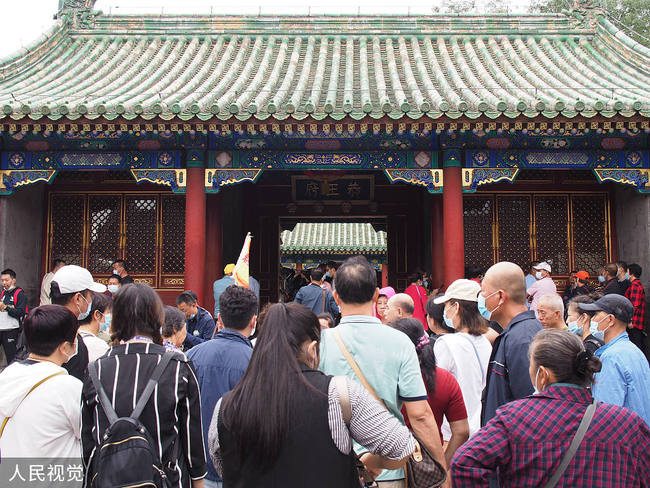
164,139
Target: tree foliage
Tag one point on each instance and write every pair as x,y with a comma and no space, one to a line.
633,16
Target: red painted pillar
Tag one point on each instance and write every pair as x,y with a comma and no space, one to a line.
437,251
195,229
213,269
452,207
384,275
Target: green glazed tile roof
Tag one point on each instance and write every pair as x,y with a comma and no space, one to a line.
333,238
267,67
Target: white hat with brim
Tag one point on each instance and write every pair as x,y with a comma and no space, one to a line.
460,290
72,279
543,266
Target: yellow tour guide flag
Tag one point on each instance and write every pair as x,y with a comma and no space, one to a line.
241,272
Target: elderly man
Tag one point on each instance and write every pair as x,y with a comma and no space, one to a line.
625,376
503,299
550,312
609,279
543,286
385,357
400,306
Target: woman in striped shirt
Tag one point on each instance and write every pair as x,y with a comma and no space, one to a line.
173,413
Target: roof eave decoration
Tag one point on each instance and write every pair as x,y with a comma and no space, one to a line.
78,13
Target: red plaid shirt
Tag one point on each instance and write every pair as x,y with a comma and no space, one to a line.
636,294
524,444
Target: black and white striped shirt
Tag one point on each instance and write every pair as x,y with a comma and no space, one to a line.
173,413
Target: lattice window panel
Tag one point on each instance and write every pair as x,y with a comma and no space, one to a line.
104,232
589,232
67,228
551,231
173,234
477,222
141,238
514,229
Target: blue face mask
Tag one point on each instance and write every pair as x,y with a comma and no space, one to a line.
192,316
574,328
83,315
482,308
448,321
106,324
328,275
593,329
601,279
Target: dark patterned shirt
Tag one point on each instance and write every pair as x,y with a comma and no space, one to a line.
526,440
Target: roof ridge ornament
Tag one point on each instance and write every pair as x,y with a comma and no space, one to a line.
79,13
586,12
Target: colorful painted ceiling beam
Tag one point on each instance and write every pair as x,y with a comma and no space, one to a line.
97,67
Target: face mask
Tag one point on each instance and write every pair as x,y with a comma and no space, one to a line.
535,385
448,320
574,328
598,334
104,326
116,272
192,316
538,275
601,279
83,315
113,288
76,350
11,287
483,310
328,275
627,276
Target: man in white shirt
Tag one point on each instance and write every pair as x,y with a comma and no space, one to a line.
40,405
543,286
46,298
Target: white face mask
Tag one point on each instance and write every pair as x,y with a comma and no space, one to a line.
116,272
113,288
535,385
538,275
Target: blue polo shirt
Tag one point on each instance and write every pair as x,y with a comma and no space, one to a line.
220,364
387,359
624,379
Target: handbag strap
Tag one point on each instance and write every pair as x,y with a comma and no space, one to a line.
355,367
4,422
341,385
575,444
478,358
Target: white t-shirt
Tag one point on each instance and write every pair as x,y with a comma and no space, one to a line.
96,346
46,422
454,352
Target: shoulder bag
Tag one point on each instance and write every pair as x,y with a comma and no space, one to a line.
422,470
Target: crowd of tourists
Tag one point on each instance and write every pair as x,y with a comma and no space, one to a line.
499,379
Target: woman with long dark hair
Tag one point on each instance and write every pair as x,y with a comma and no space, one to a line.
172,414
443,393
283,424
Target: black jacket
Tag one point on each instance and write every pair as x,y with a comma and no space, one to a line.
16,310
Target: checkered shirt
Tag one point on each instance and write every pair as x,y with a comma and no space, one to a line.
524,444
636,294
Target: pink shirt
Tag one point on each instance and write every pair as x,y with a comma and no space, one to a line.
545,286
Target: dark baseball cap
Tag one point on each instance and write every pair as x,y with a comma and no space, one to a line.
616,305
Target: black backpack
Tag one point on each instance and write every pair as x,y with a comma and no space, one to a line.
127,455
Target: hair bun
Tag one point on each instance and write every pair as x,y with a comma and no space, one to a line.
582,361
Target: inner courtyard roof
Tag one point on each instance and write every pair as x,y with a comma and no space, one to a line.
165,67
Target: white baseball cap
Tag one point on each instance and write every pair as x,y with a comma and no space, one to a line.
543,266
72,279
460,290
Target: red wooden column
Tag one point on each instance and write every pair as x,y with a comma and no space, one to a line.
213,251
437,252
195,229
452,207
384,275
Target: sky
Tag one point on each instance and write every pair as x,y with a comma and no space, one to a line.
27,20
